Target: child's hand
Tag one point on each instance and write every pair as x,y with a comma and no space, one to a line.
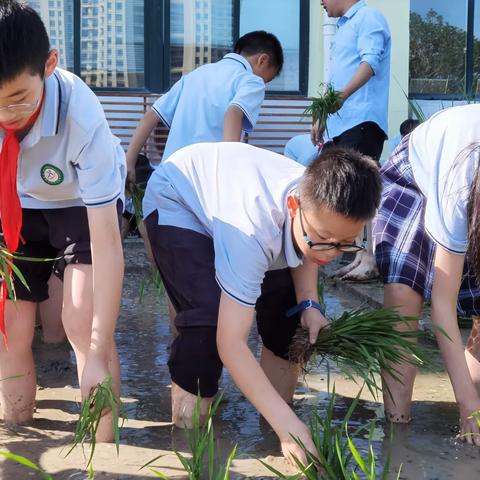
94,372
470,423
316,133
290,447
313,320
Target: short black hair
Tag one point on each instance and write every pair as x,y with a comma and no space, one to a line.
260,41
408,126
24,44
343,181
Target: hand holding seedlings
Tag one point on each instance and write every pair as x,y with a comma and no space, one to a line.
294,436
470,423
101,401
363,343
330,101
313,321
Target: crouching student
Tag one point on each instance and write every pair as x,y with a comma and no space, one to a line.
235,229
427,225
62,175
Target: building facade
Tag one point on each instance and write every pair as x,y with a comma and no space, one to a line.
146,45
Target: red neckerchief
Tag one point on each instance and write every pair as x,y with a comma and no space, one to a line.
10,206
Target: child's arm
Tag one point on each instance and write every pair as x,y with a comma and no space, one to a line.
142,132
232,124
108,266
234,323
446,284
305,280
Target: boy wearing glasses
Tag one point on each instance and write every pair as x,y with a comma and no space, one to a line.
62,176
236,229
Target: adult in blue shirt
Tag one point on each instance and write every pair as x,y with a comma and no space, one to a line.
361,73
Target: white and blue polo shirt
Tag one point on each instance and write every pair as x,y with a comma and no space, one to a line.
236,194
444,156
195,106
70,157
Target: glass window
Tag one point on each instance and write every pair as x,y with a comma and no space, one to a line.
438,35
214,18
273,16
58,20
128,41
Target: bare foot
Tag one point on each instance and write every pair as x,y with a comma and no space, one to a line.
183,406
365,270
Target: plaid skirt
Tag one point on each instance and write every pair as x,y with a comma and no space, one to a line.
403,250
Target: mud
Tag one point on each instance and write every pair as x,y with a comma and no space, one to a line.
426,448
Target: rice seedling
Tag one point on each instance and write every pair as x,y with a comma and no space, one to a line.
363,343
27,463
203,462
336,456
8,269
327,103
136,193
101,400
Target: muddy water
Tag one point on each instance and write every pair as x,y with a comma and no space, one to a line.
426,449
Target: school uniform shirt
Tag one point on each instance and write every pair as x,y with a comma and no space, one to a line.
236,194
194,108
70,157
301,149
362,35
444,166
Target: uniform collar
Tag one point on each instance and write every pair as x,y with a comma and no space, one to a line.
352,11
50,116
240,59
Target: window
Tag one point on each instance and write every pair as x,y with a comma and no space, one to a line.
59,25
442,48
210,18
273,16
128,42
150,44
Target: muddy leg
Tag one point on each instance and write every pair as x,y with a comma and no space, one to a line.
397,397
17,395
77,319
472,352
283,375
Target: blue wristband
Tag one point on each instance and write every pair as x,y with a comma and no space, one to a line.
304,306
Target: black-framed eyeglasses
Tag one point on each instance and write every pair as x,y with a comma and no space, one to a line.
323,246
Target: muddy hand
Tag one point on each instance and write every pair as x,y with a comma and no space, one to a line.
290,447
470,428
316,133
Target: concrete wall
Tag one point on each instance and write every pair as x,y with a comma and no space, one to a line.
397,13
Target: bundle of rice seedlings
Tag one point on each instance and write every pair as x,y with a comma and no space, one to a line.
102,400
363,343
327,103
336,456
201,442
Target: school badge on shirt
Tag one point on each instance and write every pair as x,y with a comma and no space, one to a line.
51,174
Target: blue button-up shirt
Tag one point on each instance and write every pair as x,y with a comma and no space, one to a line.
362,35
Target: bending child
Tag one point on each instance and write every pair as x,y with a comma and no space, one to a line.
235,229
216,101
62,176
427,226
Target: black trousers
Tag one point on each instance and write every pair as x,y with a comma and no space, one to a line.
367,138
186,261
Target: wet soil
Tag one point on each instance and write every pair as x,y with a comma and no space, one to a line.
426,449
